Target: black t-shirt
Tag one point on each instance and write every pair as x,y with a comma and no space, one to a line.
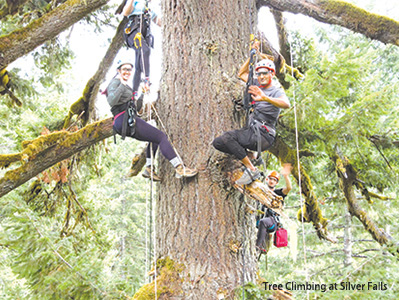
278,192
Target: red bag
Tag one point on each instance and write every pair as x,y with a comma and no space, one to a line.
280,238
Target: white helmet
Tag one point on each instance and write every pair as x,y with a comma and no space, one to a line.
265,63
124,62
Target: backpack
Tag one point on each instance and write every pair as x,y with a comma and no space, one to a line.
280,238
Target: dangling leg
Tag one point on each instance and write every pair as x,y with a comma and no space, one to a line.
147,132
236,142
149,171
265,225
145,64
137,71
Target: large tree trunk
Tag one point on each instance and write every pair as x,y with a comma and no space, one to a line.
341,13
203,221
23,41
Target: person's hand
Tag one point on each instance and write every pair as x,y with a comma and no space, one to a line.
123,81
286,169
256,93
256,45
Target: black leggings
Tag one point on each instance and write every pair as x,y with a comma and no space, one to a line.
266,225
237,141
146,132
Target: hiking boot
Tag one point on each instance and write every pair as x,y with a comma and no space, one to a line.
147,174
248,176
261,250
182,171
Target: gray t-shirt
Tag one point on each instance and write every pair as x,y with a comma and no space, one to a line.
118,93
264,111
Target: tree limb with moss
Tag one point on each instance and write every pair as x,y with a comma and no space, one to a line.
344,14
45,151
86,103
348,177
24,40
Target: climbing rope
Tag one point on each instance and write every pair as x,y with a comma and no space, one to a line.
167,134
243,250
147,252
299,172
153,210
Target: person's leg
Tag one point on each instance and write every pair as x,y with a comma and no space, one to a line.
236,142
232,142
146,52
151,151
137,71
148,133
265,225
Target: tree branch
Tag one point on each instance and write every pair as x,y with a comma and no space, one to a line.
86,103
22,41
282,35
347,175
65,146
341,13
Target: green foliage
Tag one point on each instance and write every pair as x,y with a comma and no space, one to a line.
347,100
52,59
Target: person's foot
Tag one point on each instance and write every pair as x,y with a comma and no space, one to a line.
248,176
260,249
182,171
147,174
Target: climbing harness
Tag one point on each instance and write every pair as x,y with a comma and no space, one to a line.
139,26
137,37
129,119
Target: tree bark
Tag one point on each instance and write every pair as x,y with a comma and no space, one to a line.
22,41
67,145
341,13
201,220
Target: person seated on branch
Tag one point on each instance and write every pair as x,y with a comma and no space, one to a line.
268,100
126,123
268,223
138,36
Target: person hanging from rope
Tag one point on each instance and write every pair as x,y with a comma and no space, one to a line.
260,131
126,123
268,223
138,36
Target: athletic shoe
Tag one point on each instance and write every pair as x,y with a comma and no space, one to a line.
248,176
182,171
147,174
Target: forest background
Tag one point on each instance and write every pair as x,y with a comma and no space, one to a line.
83,229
